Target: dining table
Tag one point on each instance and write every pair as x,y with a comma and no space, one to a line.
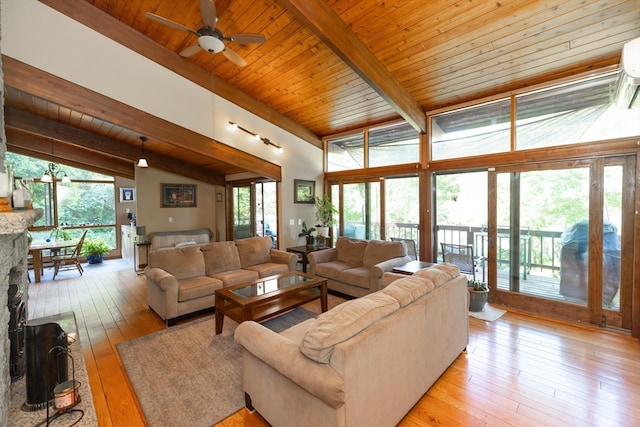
36,248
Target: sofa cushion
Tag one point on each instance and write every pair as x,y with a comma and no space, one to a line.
220,256
197,287
380,250
359,276
180,262
269,269
254,250
351,251
236,277
409,289
439,274
331,269
344,321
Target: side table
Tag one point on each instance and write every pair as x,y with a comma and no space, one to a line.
303,251
138,265
411,267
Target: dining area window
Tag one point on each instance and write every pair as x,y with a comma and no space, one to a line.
69,208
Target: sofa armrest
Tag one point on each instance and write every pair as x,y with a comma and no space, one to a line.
382,267
284,356
282,257
318,257
162,279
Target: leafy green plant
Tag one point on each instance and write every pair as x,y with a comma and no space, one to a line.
95,248
477,285
306,231
60,234
325,211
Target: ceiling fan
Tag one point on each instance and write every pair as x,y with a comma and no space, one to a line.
210,38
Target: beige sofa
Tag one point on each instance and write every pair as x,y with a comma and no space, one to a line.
355,267
366,362
182,280
160,240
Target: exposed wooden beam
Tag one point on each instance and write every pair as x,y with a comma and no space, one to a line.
110,27
59,152
97,151
318,16
47,86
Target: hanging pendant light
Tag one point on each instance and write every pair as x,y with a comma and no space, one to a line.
142,163
52,171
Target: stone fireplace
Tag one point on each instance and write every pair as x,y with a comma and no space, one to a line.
13,270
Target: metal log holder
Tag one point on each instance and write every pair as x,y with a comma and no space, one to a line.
66,394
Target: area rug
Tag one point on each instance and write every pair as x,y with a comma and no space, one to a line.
188,376
489,313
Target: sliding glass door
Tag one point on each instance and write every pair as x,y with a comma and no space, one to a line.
559,230
254,210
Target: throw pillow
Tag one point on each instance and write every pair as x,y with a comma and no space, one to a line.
378,251
351,251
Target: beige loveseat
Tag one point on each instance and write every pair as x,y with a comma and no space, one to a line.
183,280
365,362
355,267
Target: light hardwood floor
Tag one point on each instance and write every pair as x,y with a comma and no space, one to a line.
518,371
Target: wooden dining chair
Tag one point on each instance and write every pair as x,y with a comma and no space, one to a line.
70,261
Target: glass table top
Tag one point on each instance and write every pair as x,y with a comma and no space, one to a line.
271,284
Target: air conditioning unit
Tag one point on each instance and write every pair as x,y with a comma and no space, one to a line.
627,88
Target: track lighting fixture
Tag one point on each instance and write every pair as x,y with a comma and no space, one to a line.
257,137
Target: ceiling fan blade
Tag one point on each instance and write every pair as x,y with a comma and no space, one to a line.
191,50
208,12
172,24
234,57
246,38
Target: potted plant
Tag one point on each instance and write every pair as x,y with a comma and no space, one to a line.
324,214
60,234
478,294
306,232
94,250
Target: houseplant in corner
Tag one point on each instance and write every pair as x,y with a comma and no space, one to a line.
94,250
306,232
324,214
478,294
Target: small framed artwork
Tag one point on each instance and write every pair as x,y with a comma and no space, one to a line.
127,194
304,191
178,196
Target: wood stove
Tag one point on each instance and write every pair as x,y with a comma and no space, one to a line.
17,321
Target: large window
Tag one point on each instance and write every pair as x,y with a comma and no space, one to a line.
394,144
578,112
569,113
86,203
472,131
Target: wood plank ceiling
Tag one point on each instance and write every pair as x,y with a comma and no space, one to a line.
330,66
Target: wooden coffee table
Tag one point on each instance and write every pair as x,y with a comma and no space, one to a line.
268,297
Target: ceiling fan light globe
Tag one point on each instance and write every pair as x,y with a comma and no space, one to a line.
211,44
142,163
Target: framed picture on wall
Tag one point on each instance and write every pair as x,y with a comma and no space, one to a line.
178,196
127,194
304,191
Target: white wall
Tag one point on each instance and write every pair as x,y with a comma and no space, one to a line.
67,49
